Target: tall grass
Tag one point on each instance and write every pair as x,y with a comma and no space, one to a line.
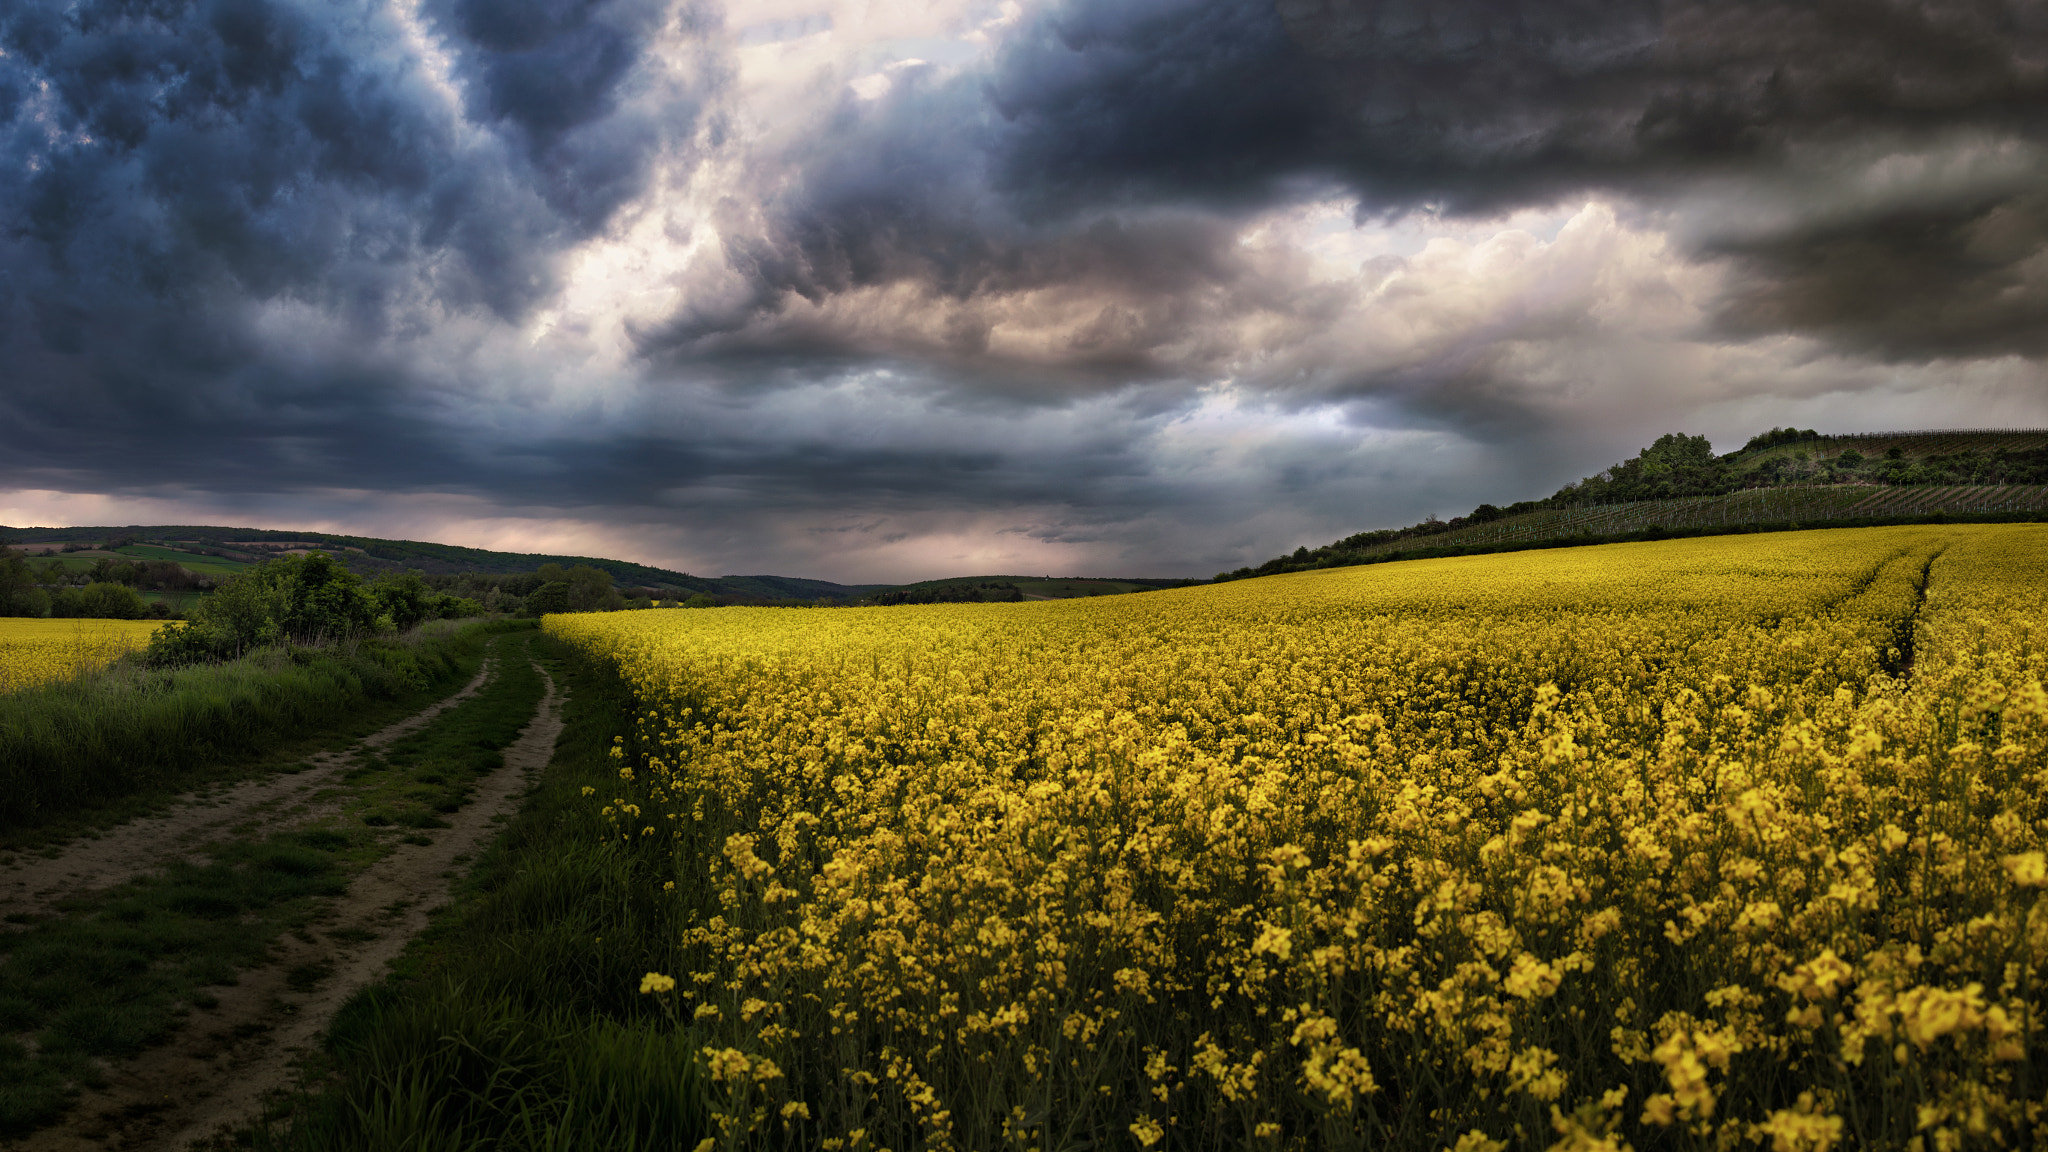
516,1024
99,737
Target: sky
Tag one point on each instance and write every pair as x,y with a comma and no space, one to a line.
877,292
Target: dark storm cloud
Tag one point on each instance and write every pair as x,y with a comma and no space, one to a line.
1950,281
552,72
971,189
183,176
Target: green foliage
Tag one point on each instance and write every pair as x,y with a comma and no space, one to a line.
19,595
987,591
579,589
292,599
1676,465
405,599
550,597
99,601
1777,436
457,607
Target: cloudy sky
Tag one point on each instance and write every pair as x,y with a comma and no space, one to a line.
878,291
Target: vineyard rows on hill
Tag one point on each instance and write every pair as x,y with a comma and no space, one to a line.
1751,506
1943,443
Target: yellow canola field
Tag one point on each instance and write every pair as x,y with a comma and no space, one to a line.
1730,842
35,651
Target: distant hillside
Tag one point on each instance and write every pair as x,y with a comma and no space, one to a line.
1783,477
370,554
983,589
220,551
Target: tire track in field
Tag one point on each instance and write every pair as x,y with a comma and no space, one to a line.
215,1073
33,885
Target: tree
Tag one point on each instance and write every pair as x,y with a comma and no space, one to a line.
290,600
19,595
406,599
550,597
102,600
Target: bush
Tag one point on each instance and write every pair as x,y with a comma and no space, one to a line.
292,599
551,597
101,601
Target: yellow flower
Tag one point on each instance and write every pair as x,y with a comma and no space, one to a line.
656,982
2027,869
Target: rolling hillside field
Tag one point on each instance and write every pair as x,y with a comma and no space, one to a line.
1753,506
1782,479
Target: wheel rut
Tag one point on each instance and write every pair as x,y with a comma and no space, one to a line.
35,885
215,1073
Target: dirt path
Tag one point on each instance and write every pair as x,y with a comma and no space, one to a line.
216,1072
34,884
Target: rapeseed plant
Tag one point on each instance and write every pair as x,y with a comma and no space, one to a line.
1713,843
37,651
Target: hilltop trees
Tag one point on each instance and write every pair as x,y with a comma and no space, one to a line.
1676,465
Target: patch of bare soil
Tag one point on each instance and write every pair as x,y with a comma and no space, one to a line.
215,1074
34,885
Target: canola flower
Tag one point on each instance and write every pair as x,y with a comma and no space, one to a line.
38,651
1732,842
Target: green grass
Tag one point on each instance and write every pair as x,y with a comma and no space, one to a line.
109,982
516,1022
215,565
87,752
431,773
116,973
192,561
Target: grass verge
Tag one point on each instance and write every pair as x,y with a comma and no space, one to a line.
115,973
516,1022
109,745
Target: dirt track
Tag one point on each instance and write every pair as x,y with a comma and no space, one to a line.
214,1074
32,885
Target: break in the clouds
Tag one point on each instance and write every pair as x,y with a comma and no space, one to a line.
873,291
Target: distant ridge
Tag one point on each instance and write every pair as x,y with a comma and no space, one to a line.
373,554
1784,478
370,554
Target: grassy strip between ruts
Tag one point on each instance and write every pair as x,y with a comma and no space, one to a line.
516,1021
109,744
118,971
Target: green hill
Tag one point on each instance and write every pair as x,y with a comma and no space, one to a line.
1782,478
214,549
